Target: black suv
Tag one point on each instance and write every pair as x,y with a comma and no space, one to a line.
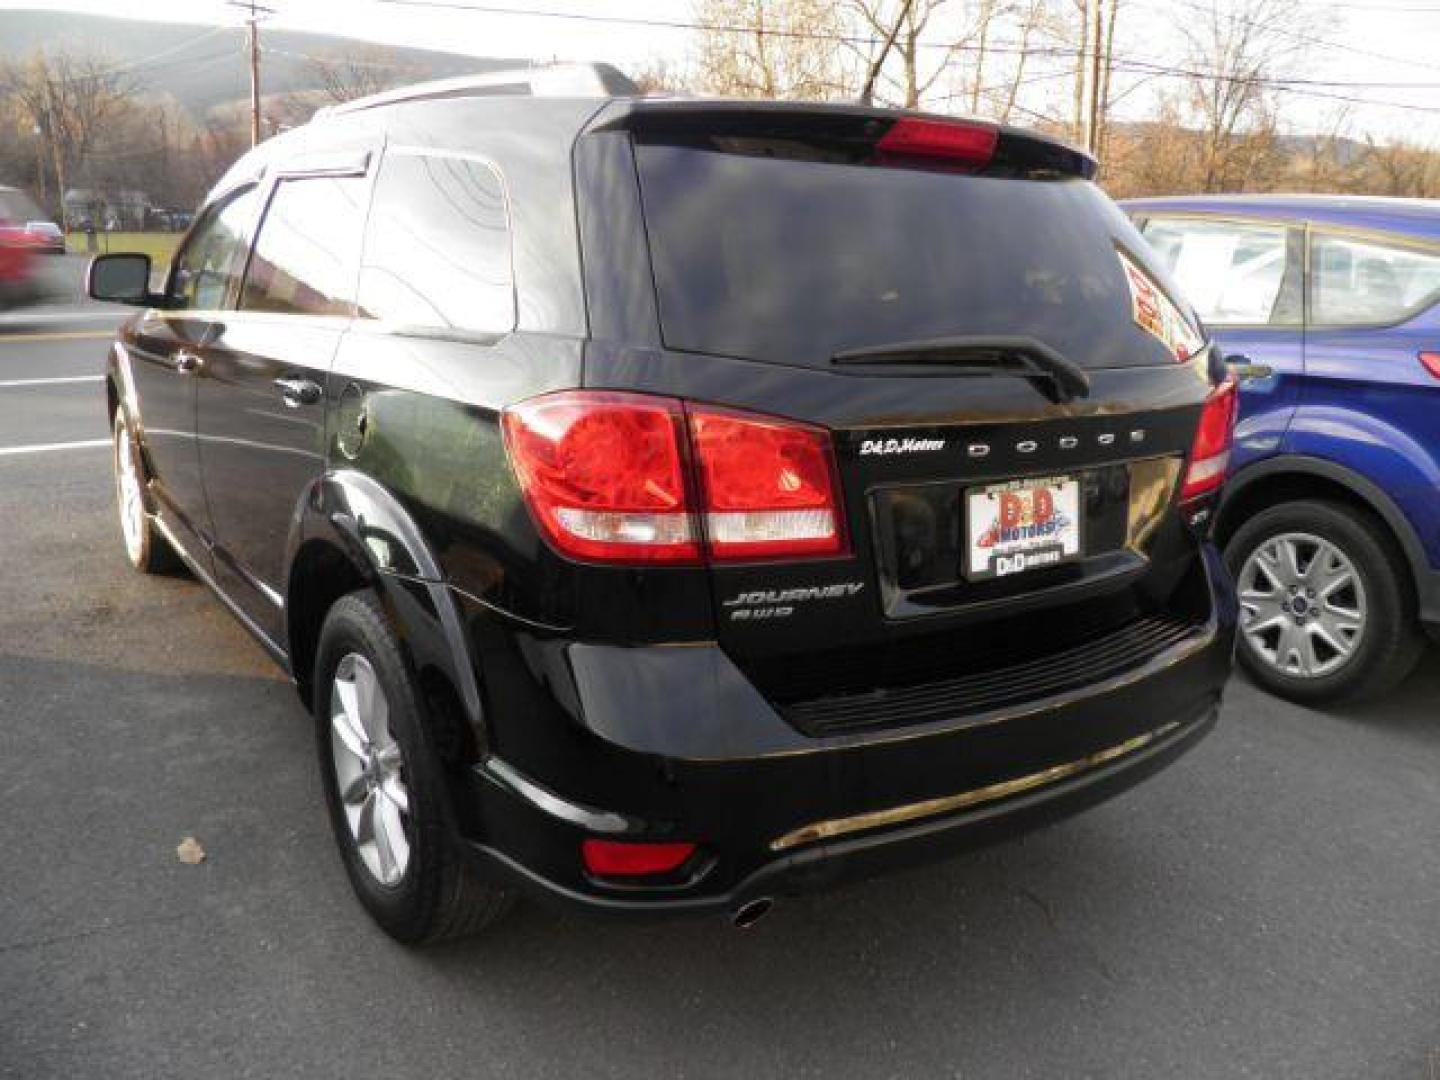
663,505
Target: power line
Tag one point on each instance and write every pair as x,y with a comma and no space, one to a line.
1294,35
1294,86
997,48
148,60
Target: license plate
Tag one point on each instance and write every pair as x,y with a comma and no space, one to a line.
1021,525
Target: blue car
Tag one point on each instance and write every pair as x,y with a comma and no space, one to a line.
1328,308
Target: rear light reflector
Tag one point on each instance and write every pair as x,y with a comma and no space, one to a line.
622,858
1431,361
1210,454
604,475
911,139
768,487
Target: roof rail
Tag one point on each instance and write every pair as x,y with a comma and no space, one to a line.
552,80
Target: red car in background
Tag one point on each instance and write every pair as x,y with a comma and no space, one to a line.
45,237
18,284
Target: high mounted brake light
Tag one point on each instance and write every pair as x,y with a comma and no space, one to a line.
634,478
910,139
1210,453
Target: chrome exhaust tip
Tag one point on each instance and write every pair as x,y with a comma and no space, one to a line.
748,914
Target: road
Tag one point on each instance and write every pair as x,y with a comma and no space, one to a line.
1270,907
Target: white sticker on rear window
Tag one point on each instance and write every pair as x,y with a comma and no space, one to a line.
1154,312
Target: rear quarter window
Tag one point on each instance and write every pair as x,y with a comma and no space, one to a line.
1357,281
437,246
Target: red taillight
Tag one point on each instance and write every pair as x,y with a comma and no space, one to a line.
623,858
1431,361
913,139
768,486
605,476
1210,454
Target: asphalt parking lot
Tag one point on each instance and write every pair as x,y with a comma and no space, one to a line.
1270,907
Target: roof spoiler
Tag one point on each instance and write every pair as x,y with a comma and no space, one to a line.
857,131
553,80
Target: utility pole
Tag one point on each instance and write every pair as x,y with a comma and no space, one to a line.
40,162
256,13
1092,129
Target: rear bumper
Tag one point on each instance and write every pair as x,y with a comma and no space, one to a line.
673,743
833,862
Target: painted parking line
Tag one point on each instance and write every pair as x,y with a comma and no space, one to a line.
57,335
7,384
45,448
64,315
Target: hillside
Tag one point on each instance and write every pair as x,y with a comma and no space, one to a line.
204,67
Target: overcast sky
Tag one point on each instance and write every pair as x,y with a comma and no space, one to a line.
1353,46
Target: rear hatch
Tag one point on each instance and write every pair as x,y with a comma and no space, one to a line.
1010,391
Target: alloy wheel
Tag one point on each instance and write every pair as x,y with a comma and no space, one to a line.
1302,605
369,770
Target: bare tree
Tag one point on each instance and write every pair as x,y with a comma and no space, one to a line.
345,74
981,47
774,49
68,98
876,64
1402,169
659,76
1322,164
898,26
1233,52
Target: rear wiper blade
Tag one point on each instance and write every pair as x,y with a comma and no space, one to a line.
1059,379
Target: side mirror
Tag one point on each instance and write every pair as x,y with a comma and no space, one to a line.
123,279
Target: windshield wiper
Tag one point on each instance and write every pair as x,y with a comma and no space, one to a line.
1053,375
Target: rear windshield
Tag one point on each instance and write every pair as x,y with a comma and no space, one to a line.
792,261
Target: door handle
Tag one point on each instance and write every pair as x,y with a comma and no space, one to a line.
187,363
297,392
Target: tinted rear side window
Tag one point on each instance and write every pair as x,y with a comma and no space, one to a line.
793,261
308,247
1358,281
437,249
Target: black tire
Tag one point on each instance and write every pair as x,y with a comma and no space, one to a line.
150,552
1390,643
439,894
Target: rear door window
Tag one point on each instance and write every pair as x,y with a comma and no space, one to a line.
1235,273
792,261
1360,281
437,247
306,253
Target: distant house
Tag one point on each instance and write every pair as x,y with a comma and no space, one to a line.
110,210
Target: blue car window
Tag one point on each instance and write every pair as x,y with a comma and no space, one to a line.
1360,282
1232,272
